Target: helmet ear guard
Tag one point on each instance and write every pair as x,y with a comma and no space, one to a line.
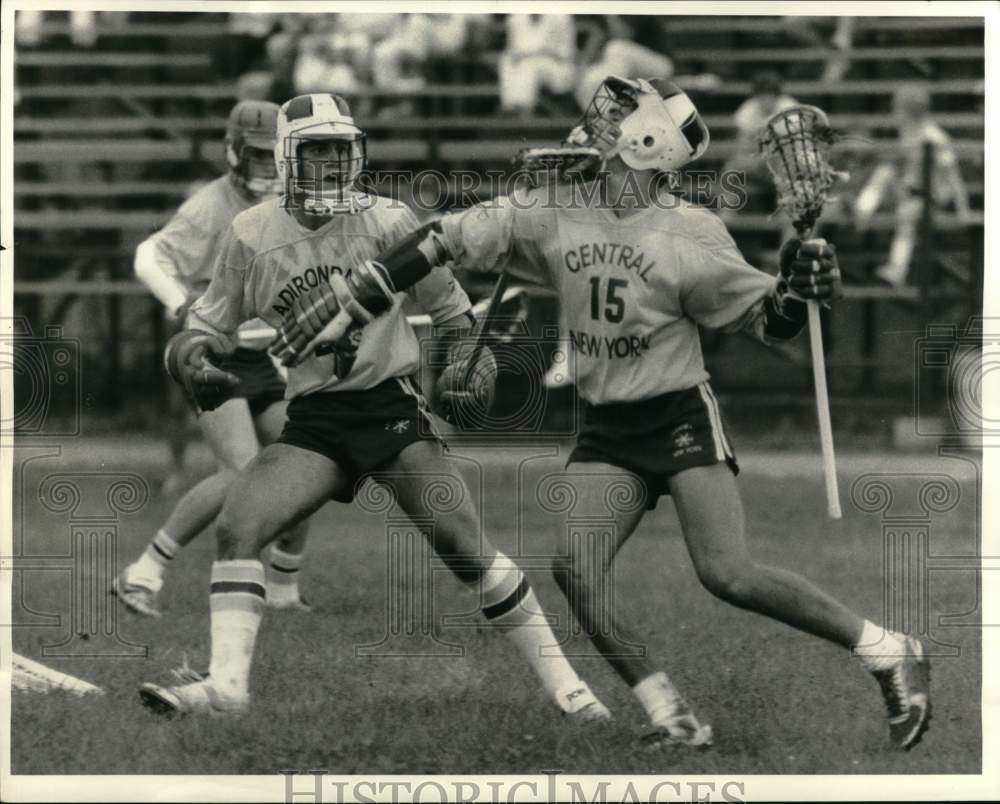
649,124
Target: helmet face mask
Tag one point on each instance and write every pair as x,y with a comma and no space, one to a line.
321,153
254,168
649,124
599,128
250,142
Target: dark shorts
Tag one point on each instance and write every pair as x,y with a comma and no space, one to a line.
656,438
260,383
360,431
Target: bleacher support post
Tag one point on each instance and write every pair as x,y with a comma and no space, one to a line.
926,261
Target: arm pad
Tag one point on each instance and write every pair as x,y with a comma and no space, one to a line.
413,257
155,273
367,289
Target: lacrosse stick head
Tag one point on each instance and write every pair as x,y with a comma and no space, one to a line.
795,145
565,163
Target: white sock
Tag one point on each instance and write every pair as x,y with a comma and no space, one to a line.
659,697
283,579
508,600
878,648
237,602
149,567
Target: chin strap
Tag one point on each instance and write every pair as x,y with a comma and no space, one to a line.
322,207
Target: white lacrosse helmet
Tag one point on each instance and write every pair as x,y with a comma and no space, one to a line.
650,124
321,117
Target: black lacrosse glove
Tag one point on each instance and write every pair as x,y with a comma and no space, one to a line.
344,350
810,271
187,360
465,390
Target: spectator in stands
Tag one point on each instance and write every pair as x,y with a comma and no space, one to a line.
329,56
766,99
399,61
803,30
610,50
83,26
245,46
904,174
540,55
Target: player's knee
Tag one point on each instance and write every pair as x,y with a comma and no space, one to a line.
229,474
728,580
232,465
239,534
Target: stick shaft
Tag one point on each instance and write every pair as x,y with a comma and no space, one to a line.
823,411
496,299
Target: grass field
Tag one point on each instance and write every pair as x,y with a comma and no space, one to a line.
779,701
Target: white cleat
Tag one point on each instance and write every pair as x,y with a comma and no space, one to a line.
681,729
196,698
297,603
138,598
582,706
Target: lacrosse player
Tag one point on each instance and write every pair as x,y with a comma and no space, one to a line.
636,277
353,411
176,265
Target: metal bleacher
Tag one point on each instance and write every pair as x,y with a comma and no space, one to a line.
109,139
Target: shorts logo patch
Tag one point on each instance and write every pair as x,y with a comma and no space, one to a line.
399,427
684,442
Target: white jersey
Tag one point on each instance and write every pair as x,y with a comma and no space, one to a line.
267,260
190,238
632,291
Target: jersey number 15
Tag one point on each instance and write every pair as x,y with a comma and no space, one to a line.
614,304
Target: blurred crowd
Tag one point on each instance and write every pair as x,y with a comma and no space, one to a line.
550,64
276,56
541,62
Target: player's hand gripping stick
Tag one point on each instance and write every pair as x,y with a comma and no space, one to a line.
187,361
324,315
811,271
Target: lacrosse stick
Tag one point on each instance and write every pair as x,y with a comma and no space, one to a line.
795,145
485,323
561,163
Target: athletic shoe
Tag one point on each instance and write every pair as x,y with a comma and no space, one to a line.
196,698
906,687
297,603
582,706
137,598
681,729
